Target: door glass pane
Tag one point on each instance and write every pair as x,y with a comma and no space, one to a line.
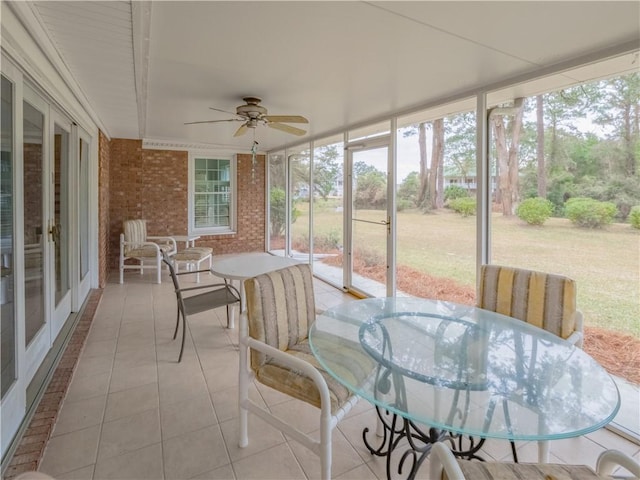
7,238
328,211
566,206
83,158
299,196
436,237
61,211
369,217
277,203
33,131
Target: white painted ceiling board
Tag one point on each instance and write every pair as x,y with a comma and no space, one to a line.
95,41
337,63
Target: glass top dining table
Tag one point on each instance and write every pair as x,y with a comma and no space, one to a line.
463,369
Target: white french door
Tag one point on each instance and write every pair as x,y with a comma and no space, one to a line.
59,236
80,244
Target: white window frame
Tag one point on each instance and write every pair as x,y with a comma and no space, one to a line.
233,220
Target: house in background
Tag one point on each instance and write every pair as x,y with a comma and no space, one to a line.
96,98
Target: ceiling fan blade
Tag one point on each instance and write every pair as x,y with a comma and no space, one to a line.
286,128
215,121
286,118
241,131
223,111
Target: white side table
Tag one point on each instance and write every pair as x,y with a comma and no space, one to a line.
189,240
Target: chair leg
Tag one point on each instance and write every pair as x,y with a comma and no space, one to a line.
325,449
159,270
243,385
175,332
184,334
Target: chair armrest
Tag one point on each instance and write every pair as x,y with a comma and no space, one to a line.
610,459
212,285
170,240
442,458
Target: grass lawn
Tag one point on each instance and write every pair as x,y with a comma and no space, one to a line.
604,262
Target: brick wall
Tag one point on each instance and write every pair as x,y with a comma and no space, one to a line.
153,185
104,156
32,157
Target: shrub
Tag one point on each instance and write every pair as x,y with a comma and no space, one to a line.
451,192
464,206
634,216
590,213
535,211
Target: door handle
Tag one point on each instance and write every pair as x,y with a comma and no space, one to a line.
54,232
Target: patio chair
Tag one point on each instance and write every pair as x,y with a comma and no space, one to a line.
545,300
135,244
212,296
444,465
274,334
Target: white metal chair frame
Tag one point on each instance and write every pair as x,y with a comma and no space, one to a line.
328,422
151,242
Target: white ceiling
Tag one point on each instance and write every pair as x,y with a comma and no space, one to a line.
149,67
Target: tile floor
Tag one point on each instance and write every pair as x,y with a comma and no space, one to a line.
132,412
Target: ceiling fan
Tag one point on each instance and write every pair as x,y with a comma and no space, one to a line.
253,114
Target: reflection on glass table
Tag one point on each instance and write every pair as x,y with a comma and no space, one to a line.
455,372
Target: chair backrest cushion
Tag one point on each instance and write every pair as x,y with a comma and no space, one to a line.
280,308
518,471
135,233
545,300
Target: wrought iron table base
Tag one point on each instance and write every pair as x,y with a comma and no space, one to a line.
419,442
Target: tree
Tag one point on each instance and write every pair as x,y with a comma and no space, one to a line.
326,169
436,175
371,187
507,158
618,108
542,174
409,189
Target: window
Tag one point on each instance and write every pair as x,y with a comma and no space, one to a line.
212,187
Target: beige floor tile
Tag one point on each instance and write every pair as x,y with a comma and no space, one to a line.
123,379
187,416
131,401
222,473
363,472
352,428
101,332
141,464
87,387
222,377
194,453
225,402
72,451
134,342
129,433
276,463
79,415
182,387
609,440
99,348
134,358
301,415
344,457
261,437
84,473
91,366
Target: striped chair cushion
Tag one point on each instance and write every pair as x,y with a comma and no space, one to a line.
545,300
524,471
193,254
280,311
146,251
135,233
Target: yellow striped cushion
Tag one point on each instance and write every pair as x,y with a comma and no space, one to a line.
193,253
135,233
545,300
280,310
522,471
